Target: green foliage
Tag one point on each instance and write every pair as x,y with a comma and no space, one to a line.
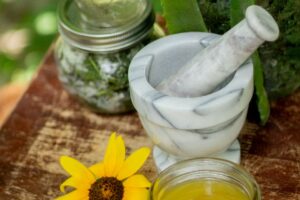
92,72
261,96
238,9
38,20
215,15
6,70
282,58
157,6
183,16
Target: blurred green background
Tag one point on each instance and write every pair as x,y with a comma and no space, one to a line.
27,29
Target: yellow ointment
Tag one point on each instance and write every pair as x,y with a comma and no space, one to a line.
204,190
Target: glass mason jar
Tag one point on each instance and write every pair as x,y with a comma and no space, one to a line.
209,175
93,55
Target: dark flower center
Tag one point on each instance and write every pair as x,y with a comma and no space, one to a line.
106,188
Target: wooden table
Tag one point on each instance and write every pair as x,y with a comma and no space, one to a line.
48,123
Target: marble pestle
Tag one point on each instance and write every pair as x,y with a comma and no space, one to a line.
213,65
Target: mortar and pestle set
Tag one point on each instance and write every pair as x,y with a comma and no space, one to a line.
192,90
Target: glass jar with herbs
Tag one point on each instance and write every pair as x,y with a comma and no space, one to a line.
93,52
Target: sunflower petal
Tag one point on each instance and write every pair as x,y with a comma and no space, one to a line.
81,184
133,163
75,195
98,170
110,156
120,155
137,181
136,193
76,169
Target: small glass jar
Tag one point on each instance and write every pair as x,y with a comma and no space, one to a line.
211,176
93,58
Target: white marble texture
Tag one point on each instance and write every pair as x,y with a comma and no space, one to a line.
200,75
190,143
187,127
164,160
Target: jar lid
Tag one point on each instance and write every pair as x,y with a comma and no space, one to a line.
82,31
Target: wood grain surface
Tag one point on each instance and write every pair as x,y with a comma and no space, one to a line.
48,123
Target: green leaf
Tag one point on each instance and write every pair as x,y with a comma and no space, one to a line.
238,9
237,13
7,68
157,6
263,104
183,16
216,15
93,72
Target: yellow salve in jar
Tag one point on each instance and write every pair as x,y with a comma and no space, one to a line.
205,190
205,179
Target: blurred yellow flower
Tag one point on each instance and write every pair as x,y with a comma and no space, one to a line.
111,179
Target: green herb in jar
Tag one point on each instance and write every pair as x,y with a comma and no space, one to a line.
100,80
93,58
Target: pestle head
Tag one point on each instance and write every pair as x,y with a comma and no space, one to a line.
262,23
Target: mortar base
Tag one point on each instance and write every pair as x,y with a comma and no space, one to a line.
163,160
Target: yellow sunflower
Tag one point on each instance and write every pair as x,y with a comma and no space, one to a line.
111,179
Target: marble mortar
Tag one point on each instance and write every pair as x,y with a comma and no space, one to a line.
183,128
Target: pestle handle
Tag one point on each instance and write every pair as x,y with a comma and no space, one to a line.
211,66
262,23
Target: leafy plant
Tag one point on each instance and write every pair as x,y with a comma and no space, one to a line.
281,60
183,16
215,15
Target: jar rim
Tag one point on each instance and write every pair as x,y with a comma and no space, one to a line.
174,170
105,40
